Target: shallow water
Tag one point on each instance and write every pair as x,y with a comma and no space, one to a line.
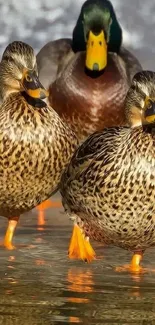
44,20
40,285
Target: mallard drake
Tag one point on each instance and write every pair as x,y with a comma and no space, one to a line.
109,185
89,75
35,144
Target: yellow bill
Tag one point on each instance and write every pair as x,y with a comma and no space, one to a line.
96,52
39,93
150,119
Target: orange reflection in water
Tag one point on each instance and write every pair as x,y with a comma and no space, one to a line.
79,281
74,319
11,258
8,292
135,292
39,240
137,277
40,261
11,280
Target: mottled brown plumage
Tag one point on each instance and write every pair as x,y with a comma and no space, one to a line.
88,100
109,186
35,145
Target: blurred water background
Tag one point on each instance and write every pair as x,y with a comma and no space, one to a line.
40,21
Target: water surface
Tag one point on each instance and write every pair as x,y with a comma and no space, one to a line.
40,285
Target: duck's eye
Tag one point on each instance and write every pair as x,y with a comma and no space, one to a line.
148,103
28,78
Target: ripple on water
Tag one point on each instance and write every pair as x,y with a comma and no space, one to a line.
39,285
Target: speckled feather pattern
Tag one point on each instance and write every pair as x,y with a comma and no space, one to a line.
109,187
35,147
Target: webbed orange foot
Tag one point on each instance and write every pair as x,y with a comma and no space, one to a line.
80,247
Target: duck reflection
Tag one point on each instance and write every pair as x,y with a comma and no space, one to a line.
80,284
80,280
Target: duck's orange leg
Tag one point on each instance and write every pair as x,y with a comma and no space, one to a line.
46,205
134,266
80,247
10,232
135,262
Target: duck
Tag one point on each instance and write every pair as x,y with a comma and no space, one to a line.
89,75
35,144
108,188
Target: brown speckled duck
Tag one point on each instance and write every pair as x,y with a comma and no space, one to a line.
109,185
35,145
89,75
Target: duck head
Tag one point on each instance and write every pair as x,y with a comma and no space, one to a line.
140,99
97,31
18,72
